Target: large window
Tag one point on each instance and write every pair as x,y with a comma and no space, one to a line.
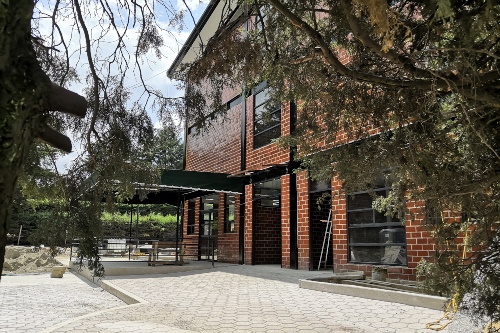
372,236
269,192
267,119
229,213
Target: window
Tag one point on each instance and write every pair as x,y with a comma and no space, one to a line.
229,213
269,192
372,236
232,103
191,216
267,119
192,130
209,215
319,186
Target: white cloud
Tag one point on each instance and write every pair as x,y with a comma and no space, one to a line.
153,69
64,162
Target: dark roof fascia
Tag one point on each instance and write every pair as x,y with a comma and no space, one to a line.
192,37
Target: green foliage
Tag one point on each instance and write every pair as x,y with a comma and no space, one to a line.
411,87
167,150
125,218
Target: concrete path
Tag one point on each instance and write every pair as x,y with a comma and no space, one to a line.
244,299
34,302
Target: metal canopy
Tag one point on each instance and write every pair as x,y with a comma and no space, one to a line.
164,196
201,181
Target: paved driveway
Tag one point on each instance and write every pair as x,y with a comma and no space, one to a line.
34,302
247,299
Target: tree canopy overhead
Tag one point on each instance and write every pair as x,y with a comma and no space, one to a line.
425,73
107,51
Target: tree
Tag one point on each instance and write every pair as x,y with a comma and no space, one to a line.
167,149
423,72
51,42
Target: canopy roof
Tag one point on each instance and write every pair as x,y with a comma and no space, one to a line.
201,181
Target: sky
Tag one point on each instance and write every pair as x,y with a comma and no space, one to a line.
153,69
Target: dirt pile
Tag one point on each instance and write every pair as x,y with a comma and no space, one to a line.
22,260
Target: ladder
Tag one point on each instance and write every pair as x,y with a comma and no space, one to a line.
326,240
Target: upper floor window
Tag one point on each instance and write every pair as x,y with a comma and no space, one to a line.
267,119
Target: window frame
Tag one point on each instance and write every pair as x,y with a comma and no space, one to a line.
213,215
229,225
261,88
389,224
191,220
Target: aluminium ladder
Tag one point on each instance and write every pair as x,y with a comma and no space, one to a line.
326,239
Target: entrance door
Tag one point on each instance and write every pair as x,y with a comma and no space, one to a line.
320,208
209,221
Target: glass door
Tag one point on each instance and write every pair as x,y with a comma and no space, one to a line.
209,222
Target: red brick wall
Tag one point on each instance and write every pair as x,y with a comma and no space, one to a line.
269,154
303,220
419,243
267,234
339,226
418,240
218,148
191,241
285,221
228,250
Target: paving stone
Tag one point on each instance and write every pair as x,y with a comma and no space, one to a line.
229,298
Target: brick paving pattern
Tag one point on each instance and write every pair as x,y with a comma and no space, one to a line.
31,303
247,299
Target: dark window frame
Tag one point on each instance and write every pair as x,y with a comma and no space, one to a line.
389,224
275,110
213,215
267,200
191,220
229,224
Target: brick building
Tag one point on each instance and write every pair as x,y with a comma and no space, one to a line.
271,214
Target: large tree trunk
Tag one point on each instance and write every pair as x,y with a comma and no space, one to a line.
23,99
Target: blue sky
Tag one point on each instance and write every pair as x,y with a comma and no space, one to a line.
153,69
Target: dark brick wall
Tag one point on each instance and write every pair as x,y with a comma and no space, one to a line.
218,148
228,250
268,229
267,234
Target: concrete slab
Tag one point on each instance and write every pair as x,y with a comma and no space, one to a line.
125,267
408,298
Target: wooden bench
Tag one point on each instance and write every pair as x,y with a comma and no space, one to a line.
161,250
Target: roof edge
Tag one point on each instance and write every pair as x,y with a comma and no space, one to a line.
192,37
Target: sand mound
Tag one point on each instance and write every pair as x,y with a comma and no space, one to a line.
21,260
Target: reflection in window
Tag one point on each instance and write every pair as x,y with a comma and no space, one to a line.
209,215
269,192
372,236
229,213
191,216
267,119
